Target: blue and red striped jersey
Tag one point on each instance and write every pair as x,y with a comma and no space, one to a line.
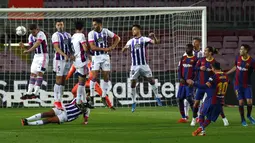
218,84
187,67
244,69
203,76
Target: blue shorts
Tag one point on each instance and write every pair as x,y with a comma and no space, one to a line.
200,94
184,92
211,111
243,93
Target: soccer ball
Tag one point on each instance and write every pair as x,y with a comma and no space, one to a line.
21,30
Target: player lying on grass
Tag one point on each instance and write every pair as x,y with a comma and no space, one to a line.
87,84
204,70
212,107
69,113
138,45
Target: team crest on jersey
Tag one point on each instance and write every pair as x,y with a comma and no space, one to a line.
100,40
137,46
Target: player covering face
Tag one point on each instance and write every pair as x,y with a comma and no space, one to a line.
139,67
244,66
204,71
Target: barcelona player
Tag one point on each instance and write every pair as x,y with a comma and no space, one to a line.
212,107
244,66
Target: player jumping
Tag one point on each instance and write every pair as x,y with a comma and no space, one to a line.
98,42
38,45
87,84
212,106
186,71
79,47
244,66
139,67
62,43
204,69
69,113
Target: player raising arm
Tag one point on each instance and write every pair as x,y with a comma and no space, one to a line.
62,44
38,45
212,106
244,66
139,67
100,60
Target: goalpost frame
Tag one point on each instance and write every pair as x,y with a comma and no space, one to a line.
135,9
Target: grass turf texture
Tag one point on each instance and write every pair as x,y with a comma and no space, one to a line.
146,125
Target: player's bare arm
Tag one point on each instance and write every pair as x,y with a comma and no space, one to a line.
93,47
85,47
56,47
116,42
37,44
125,48
232,70
154,40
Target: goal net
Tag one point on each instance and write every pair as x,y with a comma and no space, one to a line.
174,26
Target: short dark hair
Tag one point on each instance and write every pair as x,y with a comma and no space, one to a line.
198,39
32,27
97,20
137,26
59,20
78,25
246,47
213,50
190,46
216,65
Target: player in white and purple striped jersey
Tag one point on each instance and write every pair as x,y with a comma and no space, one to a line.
38,44
62,44
100,60
139,67
69,113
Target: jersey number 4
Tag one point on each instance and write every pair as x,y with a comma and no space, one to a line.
222,88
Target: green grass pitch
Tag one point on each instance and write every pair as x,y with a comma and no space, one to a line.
146,125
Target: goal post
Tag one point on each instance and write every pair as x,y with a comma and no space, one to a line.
174,26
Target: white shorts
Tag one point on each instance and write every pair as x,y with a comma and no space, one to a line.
101,62
62,116
140,70
61,67
40,63
82,71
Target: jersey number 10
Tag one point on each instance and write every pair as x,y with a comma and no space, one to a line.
222,88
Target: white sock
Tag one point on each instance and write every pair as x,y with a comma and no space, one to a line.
186,107
155,90
38,84
37,88
34,117
62,90
92,88
84,97
30,88
35,123
56,90
81,94
60,93
105,87
133,95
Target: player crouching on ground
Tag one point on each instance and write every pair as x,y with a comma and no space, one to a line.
69,113
212,106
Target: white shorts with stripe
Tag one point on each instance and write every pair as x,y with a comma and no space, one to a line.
40,63
140,70
61,114
101,62
61,67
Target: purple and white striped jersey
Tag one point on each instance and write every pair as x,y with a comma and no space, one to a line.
138,50
199,54
79,53
43,47
63,40
100,39
72,111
